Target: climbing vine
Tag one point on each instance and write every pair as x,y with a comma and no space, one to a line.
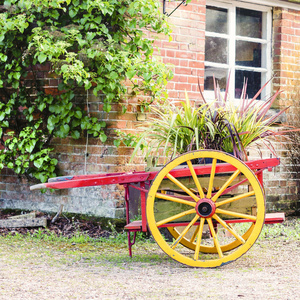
86,45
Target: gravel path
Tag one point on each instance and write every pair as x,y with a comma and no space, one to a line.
270,270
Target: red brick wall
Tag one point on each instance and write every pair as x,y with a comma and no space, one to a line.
186,53
283,187
186,50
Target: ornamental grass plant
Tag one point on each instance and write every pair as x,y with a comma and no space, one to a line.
252,121
218,125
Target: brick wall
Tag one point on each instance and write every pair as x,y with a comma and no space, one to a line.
283,187
186,50
186,53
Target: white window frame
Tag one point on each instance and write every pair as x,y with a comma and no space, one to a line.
266,41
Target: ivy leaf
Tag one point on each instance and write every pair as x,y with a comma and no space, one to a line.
29,147
42,106
130,74
122,10
102,124
2,115
72,13
75,134
113,75
42,57
145,10
78,114
103,137
10,165
117,143
65,128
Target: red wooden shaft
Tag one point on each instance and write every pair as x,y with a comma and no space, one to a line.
135,177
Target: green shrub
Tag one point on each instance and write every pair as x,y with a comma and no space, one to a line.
88,45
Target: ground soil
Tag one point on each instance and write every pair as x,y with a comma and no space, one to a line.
61,225
270,270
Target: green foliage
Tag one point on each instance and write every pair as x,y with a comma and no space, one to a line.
96,45
289,230
217,125
174,128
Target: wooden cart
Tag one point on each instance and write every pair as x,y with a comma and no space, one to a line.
203,215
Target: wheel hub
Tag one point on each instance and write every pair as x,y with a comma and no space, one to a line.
205,208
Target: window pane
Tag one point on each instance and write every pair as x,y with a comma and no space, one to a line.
248,54
220,75
216,19
249,23
253,83
216,50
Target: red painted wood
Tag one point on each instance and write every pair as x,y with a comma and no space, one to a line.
271,218
135,225
143,207
134,177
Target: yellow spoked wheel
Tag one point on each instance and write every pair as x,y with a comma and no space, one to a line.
228,200
191,244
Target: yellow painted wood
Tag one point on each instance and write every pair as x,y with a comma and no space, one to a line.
197,183
198,244
239,197
225,186
174,199
188,243
175,217
182,187
189,182
165,209
214,235
229,228
211,179
218,251
235,214
184,232
195,232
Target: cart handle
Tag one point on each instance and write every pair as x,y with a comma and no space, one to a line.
77,181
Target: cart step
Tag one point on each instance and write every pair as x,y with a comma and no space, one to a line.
134,226
271,218
274,218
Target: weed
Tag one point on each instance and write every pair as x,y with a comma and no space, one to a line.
289,230
112,251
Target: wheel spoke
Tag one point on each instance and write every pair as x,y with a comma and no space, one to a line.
235,214
232,187
195,234
229,200
229,228
173,218
199,238
214,235
174,199
183,187
198,185
225,185
184,232
211,178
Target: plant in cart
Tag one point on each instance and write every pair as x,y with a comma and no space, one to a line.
176,128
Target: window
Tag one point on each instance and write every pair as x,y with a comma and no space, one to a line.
237,39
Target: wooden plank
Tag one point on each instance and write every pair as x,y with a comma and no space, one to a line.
31,215
16,223
135,225
273,218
